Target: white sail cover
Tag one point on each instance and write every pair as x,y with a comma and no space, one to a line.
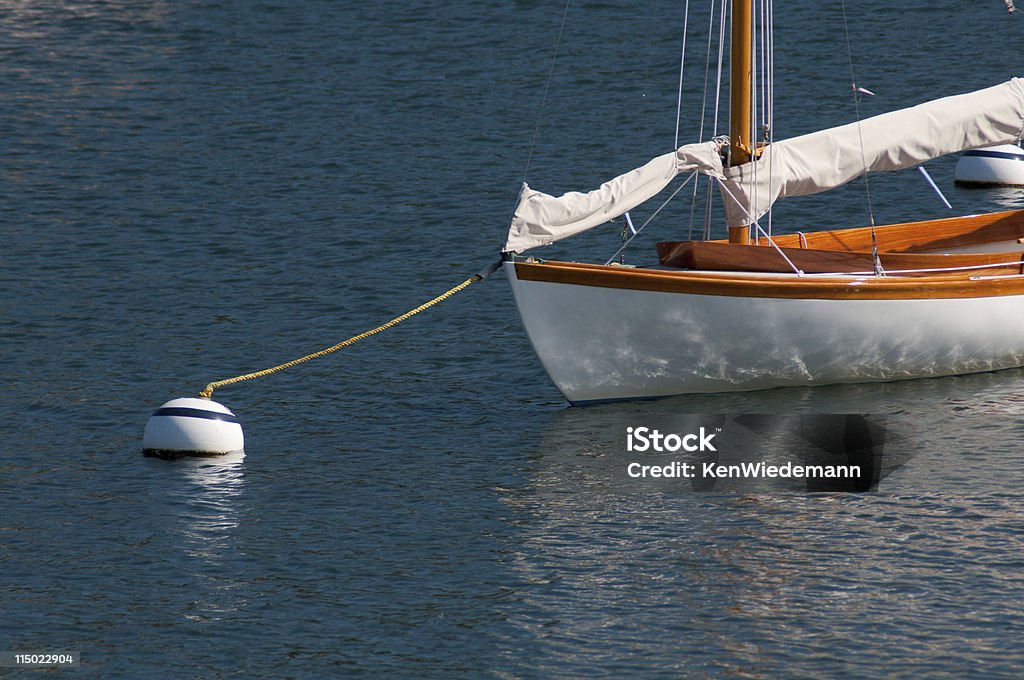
794,167
892,141
540,219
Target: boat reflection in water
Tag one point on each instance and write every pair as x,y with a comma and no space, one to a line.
941,420
741,578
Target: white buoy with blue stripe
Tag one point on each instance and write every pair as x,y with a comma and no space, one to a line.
992,166
191,426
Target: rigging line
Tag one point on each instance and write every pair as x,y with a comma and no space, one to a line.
708,212
1010,9
934,186
693,210
770,126
752,135
703,114
718,94
860,133
642,108
707,74
682,62
649,219
721,57
771,68
766,77
753,221
764,57
547,86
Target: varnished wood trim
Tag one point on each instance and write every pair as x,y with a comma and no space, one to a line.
739,235
930,235
718,256
768,285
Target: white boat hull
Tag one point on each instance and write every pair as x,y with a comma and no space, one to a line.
604,343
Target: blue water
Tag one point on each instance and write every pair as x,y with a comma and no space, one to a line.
193,190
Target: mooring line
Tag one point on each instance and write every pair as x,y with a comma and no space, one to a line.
207,393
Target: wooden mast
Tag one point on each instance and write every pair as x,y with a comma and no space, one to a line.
741,144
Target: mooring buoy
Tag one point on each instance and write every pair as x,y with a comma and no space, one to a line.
191,426
992,166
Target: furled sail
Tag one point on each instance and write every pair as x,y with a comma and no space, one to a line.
540,219
794,167
892,141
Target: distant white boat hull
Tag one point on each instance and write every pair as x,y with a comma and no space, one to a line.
992,166
598,341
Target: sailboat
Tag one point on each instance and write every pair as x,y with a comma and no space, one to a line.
756,311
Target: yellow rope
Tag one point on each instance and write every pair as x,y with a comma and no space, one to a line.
208,392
